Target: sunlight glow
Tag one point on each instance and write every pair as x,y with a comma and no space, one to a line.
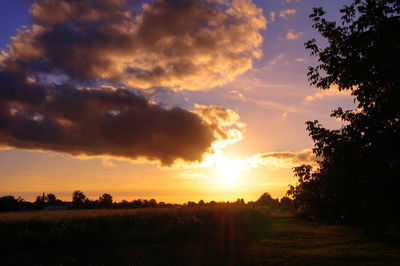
229,171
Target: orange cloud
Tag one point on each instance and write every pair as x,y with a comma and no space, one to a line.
189,175
286,13
108,163
238,94
331,92
225,123
281,159
190,45
272,16
292,35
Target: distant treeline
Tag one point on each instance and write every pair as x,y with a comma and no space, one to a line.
105,201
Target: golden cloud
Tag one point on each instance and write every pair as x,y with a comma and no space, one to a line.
331,92
224,122
281,159
189,45
286,13
292,35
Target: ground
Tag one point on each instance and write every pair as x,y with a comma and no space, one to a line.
198,236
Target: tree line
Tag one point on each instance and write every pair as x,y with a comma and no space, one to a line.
105,201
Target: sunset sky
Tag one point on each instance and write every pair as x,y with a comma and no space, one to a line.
166,99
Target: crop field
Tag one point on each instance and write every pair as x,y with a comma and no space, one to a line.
223,235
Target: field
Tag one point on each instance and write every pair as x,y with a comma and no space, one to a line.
222,235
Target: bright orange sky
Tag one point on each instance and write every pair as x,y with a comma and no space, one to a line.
239,79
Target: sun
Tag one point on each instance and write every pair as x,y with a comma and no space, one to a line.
229,171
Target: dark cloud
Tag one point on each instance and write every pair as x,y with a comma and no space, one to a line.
98,122
66,81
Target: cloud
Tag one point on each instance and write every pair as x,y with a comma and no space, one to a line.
274,105
281,159
98,122
190,175
286,13
238,95
69,82
179,44
331,92
305,156
276,59
108,163
225,124
292,35
291,1
272,16
272,160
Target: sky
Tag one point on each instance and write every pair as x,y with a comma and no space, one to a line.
167,99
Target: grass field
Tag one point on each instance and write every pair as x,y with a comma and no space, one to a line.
185,236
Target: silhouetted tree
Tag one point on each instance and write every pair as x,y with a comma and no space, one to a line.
92,204
78,199
51,199
153,203
212,203
266,200
39,202
137,204
191,204
9,203
239,202
106,201
359,164
286,203
145,203
124,204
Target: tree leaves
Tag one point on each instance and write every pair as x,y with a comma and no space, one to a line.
358,163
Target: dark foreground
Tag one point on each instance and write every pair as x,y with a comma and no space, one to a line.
187,236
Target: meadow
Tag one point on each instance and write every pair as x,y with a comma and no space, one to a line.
219,235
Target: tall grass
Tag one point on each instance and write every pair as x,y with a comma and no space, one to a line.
139,225
221,235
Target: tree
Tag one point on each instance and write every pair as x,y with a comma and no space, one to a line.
239,202
106,201
39,202
357,178
9,203
191,204
153,203
137,204
285,202
51,199
266,200
78,199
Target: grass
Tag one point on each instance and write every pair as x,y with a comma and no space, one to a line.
186,236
